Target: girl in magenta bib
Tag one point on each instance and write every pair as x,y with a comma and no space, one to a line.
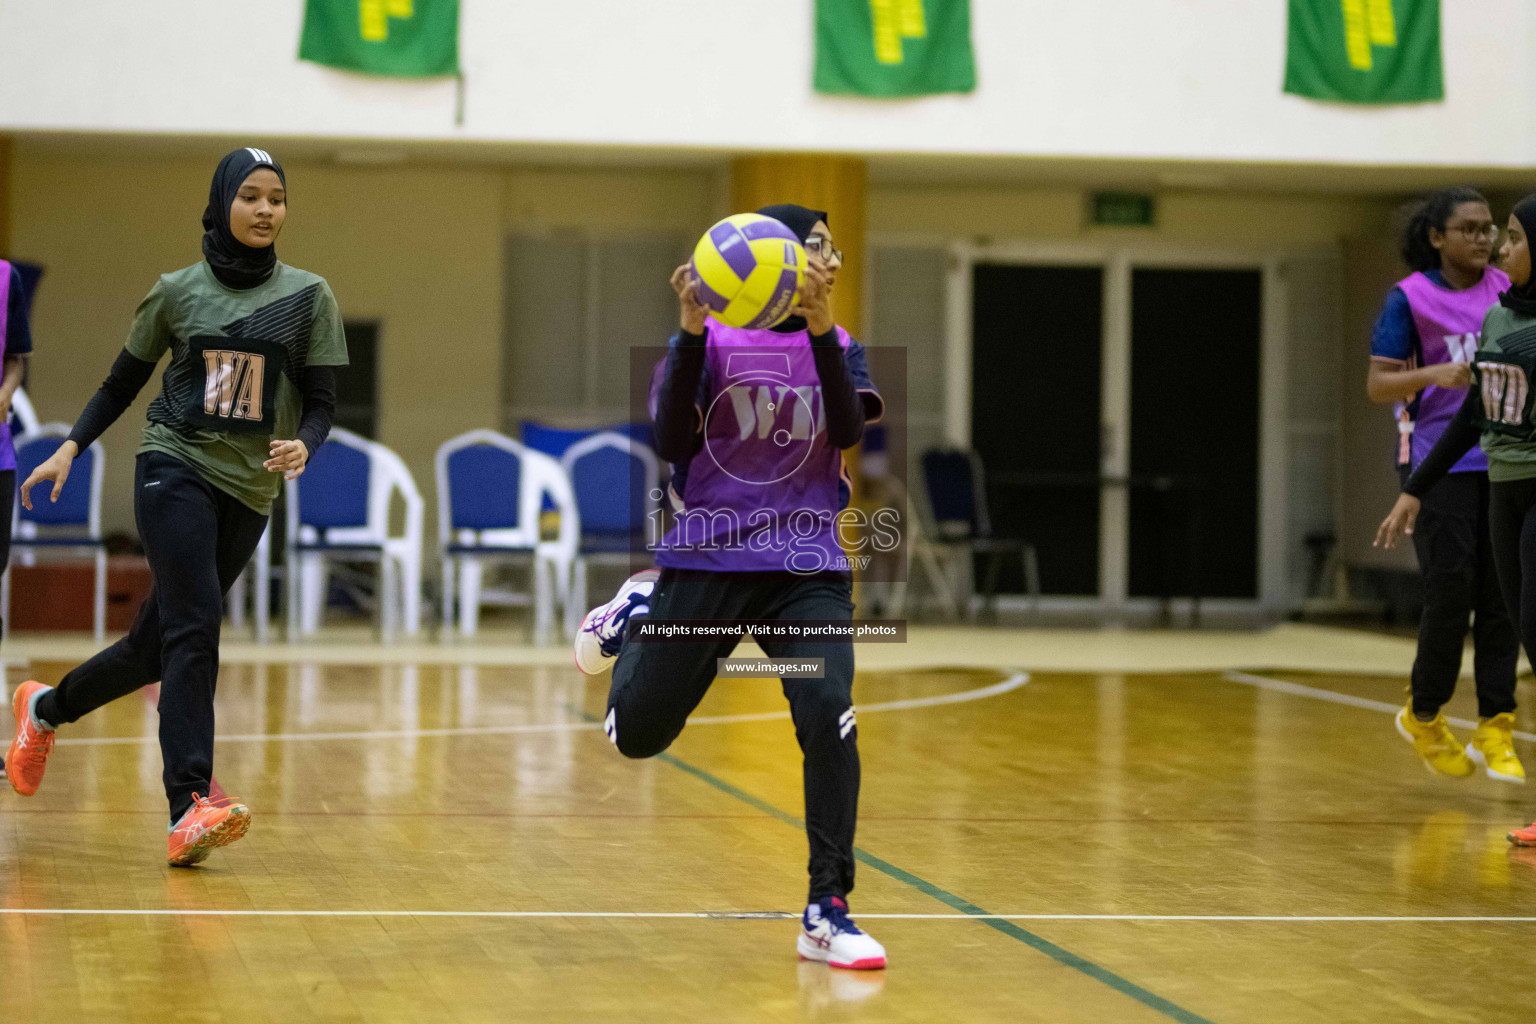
15,347
1421,359
755,423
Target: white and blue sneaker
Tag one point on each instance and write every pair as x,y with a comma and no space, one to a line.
602,632
829,935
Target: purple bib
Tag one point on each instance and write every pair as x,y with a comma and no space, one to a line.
7,445
764,492
1450,325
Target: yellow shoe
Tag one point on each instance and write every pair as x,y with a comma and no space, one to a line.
1436,744
1492,747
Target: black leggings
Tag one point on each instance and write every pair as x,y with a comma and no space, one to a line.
7,509
198,540
1512,524
656,685
1456,558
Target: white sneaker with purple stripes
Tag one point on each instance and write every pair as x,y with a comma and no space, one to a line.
829,935
601,635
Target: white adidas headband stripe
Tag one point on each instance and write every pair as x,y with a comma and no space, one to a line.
260,154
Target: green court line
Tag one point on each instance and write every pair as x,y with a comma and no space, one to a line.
1065,957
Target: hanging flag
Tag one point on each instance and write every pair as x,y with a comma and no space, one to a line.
406,38
1364,51
894,47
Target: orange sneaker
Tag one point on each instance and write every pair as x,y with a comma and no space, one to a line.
28,754
205,827
1524,836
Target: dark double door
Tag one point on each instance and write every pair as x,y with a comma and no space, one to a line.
1190,483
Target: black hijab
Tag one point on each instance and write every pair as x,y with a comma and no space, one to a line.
1522,298
800,220
234,263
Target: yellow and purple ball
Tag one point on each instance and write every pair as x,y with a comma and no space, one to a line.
750,270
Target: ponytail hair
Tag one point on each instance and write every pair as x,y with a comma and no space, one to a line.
1431,212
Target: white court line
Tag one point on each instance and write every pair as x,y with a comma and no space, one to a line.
1013,682
775,915
1316,693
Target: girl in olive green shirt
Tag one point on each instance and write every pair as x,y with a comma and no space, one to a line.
247,397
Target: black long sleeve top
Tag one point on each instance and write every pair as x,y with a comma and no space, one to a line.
129,374
124,381
679,432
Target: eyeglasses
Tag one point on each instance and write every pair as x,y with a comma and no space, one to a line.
821,245
1477,231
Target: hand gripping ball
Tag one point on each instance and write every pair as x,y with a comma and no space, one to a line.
749,270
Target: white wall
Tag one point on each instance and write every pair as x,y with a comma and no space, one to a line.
1182,79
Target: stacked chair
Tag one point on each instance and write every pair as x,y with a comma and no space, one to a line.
617,481
957,522
491,496
339,510
68,528
557,504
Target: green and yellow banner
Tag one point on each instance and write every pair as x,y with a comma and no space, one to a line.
406,38
894,47
1365,51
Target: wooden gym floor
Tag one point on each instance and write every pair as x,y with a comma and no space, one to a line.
441,834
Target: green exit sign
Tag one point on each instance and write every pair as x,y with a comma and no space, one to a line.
1123,209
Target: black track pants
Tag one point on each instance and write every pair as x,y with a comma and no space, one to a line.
1456,558
1512,525
198,539
7,510
656,685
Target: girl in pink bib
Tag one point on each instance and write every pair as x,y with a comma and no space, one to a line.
1421,355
